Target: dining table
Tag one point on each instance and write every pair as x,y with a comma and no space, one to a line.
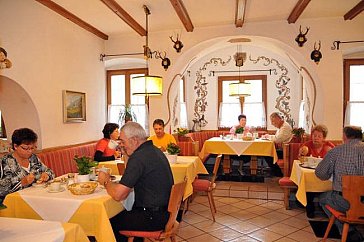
307,181
91,212
185,167
234,146
17,229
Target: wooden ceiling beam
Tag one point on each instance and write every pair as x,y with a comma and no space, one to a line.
354,11
240,13
182,13
73,18
297,10
118,10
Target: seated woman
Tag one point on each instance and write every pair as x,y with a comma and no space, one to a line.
106,148
241,125
161,139
316,147
21,168
245,129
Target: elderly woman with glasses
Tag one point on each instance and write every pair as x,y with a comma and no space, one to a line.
21,168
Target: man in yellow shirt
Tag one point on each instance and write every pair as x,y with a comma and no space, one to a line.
161,139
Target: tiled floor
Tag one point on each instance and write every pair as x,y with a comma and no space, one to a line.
245,212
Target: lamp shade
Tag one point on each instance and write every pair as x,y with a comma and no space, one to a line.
147,85
239,89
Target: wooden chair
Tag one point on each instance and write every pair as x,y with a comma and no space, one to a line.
202,185
171,227
353,191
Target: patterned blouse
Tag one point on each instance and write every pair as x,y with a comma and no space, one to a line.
11,173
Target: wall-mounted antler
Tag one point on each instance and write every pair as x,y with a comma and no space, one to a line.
177,44
301,37
316,54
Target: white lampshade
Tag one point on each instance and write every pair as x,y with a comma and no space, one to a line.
147,85
239,89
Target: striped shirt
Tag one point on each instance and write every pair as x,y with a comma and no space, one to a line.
346,159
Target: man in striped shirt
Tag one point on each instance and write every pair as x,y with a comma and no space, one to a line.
346,159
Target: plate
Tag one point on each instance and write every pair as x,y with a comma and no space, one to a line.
307,166
60,190
39,185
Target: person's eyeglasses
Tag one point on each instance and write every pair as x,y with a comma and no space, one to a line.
29,148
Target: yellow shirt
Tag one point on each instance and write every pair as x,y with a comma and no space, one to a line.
162,142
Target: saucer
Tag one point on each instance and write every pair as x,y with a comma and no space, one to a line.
39,185
52,191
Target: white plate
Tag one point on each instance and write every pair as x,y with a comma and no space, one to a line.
39,185
52,191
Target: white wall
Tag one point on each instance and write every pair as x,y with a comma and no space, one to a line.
327,75
51,54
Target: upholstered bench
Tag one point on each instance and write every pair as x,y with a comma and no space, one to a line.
60,159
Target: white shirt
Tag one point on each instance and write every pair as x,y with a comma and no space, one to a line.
283,134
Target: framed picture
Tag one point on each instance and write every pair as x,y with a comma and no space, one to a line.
74,106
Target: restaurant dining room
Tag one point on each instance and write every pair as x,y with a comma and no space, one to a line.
181,120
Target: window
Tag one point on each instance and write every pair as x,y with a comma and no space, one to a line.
182,101
353,92
119,94
254,105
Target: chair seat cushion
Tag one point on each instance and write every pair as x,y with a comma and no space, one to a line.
286,182
280,163
201,185
334,212
142,234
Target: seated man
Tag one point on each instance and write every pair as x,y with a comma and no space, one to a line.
346,159
283,134
148,172
161,139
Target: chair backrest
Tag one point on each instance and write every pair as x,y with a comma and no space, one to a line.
216,169
353,191
175,200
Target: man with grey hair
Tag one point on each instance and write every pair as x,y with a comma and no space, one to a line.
147,172
346,159
284,132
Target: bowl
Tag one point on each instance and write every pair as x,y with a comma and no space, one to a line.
82,188
248,138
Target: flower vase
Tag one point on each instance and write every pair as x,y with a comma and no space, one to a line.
83,178
172,158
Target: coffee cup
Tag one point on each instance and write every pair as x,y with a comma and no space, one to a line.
55,186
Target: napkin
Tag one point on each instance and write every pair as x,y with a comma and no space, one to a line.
129,201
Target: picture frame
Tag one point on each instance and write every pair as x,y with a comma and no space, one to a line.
74,106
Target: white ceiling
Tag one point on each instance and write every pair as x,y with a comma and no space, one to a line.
203,13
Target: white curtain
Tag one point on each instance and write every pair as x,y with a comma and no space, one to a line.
140,111
353,114
183,116
254,111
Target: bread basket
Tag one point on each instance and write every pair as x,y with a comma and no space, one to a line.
82,188
248,138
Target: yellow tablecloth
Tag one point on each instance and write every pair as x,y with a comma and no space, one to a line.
186,166
15,229
217,145
307,181
93,214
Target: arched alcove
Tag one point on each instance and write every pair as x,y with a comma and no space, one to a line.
301,68
17,108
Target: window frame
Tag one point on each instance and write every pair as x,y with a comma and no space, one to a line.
346,92
127,73
221,79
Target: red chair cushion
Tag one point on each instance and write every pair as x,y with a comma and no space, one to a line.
201,185
280,163
334,212
142,234
286,182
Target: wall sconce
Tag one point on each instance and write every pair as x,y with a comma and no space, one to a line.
301,37
316,55
177,44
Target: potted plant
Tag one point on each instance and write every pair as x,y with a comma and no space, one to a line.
239,130
126,114
298,135
173,150
84,165
180,134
